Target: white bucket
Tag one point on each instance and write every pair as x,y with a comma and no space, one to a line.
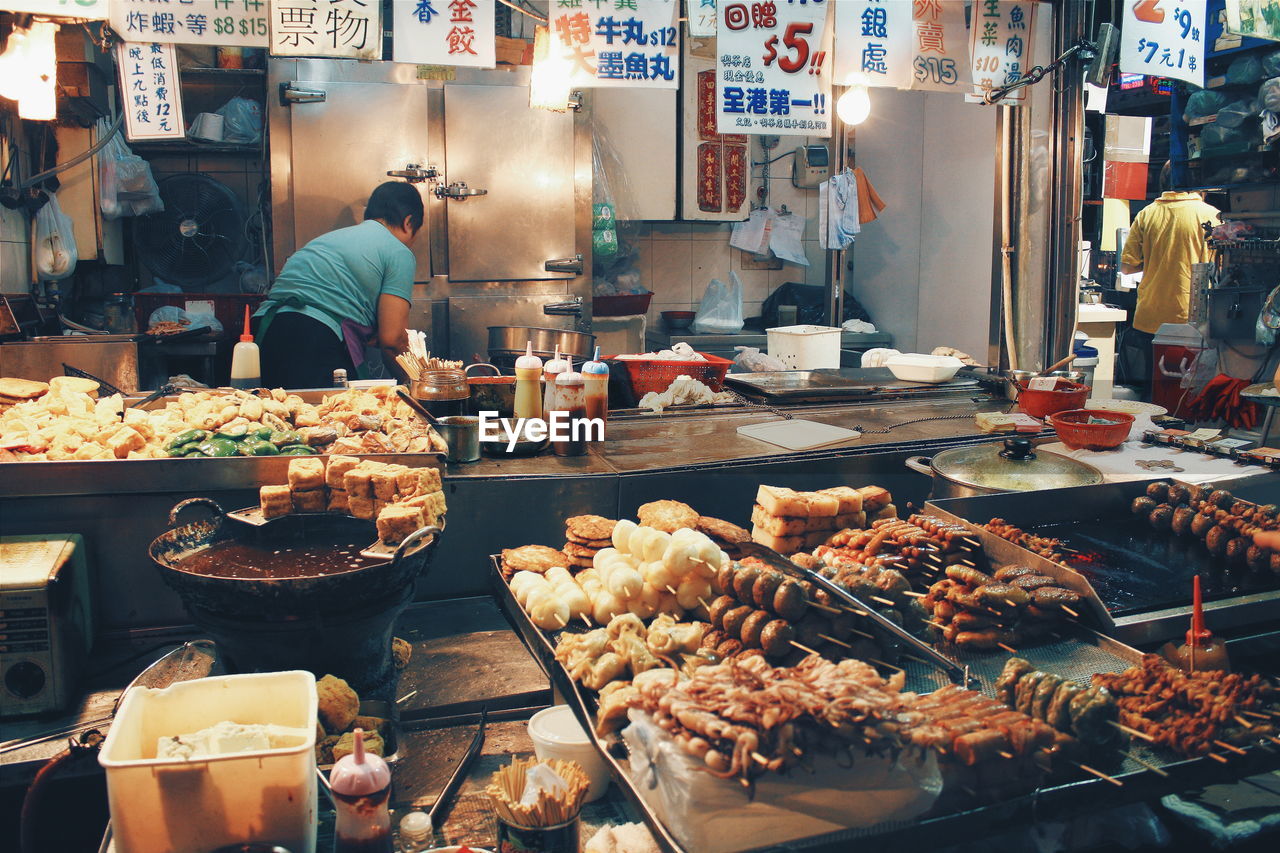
805,347
206,803
556,734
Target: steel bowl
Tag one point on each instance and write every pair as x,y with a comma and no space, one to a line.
507,343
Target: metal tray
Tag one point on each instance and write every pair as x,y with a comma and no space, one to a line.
252,516
1142,577
1076,657
850,383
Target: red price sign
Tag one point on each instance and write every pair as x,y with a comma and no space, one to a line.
793,40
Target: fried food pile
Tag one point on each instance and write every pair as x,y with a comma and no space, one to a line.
1085,713
789,521
1045,546
339,717
974,610
1192,713
69,422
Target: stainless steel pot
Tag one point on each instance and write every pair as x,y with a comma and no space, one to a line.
507,343
988,469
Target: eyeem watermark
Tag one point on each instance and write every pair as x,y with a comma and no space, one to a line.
561,427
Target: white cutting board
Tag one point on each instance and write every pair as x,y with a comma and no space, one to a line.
797,434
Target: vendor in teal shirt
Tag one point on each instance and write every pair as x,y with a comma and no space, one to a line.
340,291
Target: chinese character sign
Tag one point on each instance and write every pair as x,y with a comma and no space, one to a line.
149,90
611,43
444,32
1000,44
940,46
773,67
702,17
90,10
350,29
1164,38
874,37
214,22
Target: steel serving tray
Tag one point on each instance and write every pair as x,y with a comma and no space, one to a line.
1077,656
797,386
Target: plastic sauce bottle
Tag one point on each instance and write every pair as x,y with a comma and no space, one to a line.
528,380
246,369
595,375
571,399
416,832
361,786
553,368
1202,652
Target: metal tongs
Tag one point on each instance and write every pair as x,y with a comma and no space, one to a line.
957,673
440,808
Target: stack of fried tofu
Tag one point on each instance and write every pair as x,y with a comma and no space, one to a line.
398,498
789,521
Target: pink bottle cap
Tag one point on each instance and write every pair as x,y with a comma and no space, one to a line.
360,773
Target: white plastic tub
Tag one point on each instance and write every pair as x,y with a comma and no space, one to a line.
805,347
205,803
556,734
917,367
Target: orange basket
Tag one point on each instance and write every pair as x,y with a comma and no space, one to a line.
656,374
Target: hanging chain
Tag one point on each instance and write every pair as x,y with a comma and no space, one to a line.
752,404
884,430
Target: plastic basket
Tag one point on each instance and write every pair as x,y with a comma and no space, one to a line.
805,347
656,374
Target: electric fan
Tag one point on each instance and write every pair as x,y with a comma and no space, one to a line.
198,236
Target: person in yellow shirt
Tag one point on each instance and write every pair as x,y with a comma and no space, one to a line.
1166,238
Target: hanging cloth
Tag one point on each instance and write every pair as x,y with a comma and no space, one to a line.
869,202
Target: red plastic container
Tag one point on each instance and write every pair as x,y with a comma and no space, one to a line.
626,305
1041,404
656,374
1077,433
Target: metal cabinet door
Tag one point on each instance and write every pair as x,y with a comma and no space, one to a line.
524,159
343,148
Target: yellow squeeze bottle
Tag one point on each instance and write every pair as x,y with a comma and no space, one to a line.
528,384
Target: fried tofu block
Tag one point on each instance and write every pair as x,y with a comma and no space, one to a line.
337,704
337,469
889,511
429,479
306,473
347,744
379,506
395,523
275,501
782,544
435,503
781,503
125,439
386,483
853,519
358,482
818,505
874,498
850,499
820,524
338,501
310,500
775,526
360,506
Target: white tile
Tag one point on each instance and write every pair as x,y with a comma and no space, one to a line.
644,262
816,272
670,230
672,265
14,271
710,260
711,231
755,285
751,309
13,226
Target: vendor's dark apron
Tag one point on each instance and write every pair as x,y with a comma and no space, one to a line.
354,335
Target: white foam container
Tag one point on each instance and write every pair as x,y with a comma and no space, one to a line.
556,734
918,367
206,803
805,347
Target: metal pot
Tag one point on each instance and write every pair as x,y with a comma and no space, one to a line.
507,343
988,469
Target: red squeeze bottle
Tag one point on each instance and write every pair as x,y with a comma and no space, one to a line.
1201,651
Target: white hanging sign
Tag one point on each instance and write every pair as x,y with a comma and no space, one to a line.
874,37
89,10
150,91
1000,42
617,43
940,47
773,68
702,17
346,29
214,22
444,32
1161,38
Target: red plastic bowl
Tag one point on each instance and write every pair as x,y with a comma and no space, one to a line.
1077,433
1040,404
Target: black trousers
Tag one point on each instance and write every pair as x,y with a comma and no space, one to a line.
301,352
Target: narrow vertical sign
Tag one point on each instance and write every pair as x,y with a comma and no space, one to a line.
150,91
444,32
874,37
940,46
1164,38
773,68
1000,45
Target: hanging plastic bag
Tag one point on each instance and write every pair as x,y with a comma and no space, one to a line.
126,186
56,253
720,312
751,360
241,121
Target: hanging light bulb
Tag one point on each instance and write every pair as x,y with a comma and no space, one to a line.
549,80
29,71
12,62
854,105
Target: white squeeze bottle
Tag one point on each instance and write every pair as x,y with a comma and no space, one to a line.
528,379
246,370
553,368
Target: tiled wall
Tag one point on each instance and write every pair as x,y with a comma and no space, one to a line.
14,252
678,259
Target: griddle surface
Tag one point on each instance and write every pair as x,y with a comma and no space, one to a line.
1134,568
